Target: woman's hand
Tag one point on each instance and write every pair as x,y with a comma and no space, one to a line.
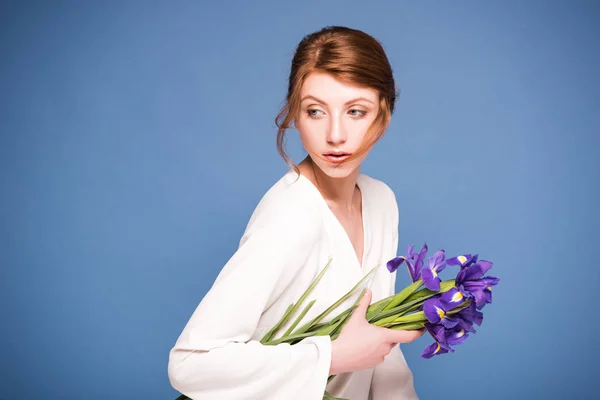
361,345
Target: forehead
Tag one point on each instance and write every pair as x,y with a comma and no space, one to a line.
333,91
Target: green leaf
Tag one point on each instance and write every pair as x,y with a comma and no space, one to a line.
375,308
292,309
335,305
327,396
412,326
415,317
277,326
399,297
297,321
426,293
340,324
293,338
391,314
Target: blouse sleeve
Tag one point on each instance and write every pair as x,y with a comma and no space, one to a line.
393,379
215,358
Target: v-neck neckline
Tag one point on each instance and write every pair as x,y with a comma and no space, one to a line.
332,215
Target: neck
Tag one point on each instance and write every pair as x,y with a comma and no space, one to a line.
337,192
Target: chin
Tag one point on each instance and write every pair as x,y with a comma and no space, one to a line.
337,171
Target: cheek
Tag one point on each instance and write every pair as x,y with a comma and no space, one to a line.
358,129
311,133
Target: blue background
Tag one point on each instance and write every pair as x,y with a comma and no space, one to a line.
138,136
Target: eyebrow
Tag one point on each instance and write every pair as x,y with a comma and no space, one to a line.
348,102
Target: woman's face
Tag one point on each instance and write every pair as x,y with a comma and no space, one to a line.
333,120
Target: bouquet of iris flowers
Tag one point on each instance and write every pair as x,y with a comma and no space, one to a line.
447,309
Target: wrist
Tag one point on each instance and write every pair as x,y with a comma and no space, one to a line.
333,367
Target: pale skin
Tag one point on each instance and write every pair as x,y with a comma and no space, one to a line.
334,117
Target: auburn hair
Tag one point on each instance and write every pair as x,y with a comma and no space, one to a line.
350,56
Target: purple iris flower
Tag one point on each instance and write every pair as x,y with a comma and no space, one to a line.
440,346
433,349
435,265
469,316
482,290
456,335
436,312
438,333
473,284
452,298
414,262
473,271
464,260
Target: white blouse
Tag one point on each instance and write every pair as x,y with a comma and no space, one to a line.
289,239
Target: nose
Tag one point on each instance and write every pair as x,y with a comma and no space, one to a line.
336,134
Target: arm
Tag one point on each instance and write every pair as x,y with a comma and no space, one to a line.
214,357
393,379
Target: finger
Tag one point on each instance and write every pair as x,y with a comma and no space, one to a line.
404,336
364,303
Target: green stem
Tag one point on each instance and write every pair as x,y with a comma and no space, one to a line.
414,317
375,308
427,293
331,328
408,326
398,298
335,305
340,324
393,313
297,321
410,318
296,337
292,309
269,335
327,396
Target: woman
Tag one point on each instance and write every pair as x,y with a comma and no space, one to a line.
340,98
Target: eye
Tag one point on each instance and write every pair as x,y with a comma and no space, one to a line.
313,113
357,113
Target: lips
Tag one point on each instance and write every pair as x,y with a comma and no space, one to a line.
336,157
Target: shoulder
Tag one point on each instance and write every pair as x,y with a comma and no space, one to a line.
378,191
288,206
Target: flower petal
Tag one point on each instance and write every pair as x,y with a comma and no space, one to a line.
410,252
439,256
488,296
477,270
490,280
452,299
394,263
430,281
460,260
470,314
478,295
463,323
420,258
438,333
433,350
456,336
449,322
433,310
440,267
